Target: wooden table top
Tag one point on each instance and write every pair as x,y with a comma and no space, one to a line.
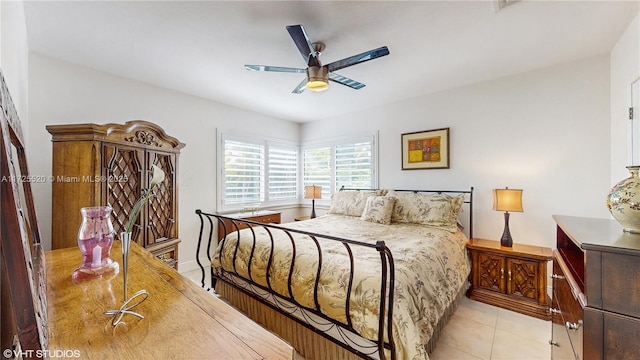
182,320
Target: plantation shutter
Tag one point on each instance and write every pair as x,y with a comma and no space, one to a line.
243,172
283,173
354,165
317,169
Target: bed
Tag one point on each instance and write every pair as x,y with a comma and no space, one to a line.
377,277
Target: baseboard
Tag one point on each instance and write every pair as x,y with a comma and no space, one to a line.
191,265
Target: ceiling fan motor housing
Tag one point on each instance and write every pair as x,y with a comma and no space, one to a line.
317,78
318,75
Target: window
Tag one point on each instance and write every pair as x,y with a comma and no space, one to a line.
268,171
283,173
348,162
317,168
354,165
257,171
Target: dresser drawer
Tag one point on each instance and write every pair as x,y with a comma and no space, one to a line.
620,273
610,335
570,309
561,348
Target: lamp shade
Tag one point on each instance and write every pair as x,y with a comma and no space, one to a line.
507,200
313,192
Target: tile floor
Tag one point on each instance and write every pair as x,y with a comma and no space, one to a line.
478,331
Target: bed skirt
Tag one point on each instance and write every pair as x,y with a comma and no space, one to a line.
310,343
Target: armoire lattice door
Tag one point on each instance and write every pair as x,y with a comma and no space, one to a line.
112,166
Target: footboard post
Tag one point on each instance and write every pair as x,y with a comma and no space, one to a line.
207,250
386,258
199,213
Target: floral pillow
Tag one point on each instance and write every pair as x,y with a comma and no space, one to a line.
350,202
435,210
378,209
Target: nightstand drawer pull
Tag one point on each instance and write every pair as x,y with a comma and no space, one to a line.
553,343
555,311
502,273
509,275
556,276
572,326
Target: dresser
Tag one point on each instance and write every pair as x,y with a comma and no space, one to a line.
264,216
95,165
596,290
181,320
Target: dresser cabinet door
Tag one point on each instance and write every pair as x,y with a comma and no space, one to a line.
491,272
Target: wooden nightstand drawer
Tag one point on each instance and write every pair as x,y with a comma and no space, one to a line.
513,278
269,219
265,217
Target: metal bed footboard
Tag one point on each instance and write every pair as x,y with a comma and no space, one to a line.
208,223
387,272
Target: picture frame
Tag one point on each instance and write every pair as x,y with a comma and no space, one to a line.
428,149
22,263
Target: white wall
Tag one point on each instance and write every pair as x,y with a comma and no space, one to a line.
63,93
625,69
14,56
551,132
545,131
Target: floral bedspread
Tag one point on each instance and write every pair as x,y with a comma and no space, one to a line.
431,266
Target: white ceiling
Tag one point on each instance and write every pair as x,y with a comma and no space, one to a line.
200,48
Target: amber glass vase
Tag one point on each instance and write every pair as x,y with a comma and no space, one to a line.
95,239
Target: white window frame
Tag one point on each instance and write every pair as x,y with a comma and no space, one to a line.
222,206
332,143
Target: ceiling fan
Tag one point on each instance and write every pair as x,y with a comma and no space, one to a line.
318,75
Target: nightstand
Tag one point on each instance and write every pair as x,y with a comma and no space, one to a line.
264,216
513,278
302,218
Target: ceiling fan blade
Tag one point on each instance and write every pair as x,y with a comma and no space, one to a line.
304,45
357,59
300,88
273,68
346,81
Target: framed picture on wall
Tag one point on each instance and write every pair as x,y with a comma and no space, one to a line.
427,149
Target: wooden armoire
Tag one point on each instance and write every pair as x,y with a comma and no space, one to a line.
110,164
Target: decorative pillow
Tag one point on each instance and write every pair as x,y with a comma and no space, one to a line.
378,209
350,202
435,210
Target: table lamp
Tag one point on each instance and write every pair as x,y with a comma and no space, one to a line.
313,192
507,200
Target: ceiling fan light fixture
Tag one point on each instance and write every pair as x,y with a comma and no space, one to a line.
317,78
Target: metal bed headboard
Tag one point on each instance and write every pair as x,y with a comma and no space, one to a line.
468,198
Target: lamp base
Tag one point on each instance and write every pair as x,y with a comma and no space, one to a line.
313,209
506,240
